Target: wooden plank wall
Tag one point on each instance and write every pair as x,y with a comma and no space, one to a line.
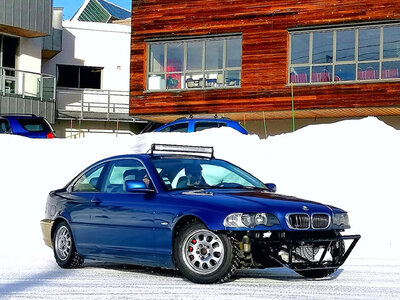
264,27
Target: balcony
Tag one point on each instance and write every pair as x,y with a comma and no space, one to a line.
23,92
93,105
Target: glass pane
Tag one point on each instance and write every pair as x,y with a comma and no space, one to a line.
174,57
391,42
180,127
214,51
174,81
199,126
391,69
156,82
345,72
368,71
299,74
300,47
345,45
68,76
232,78
214,79
233,53
157,58
368,44
322,47
194,81
194,55
321,74
89,182
90,77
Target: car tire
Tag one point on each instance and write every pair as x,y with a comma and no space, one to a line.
203,256
64,248
337,252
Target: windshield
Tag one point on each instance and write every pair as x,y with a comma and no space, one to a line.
189,173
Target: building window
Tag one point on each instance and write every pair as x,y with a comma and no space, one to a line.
195,64
79,77
357,54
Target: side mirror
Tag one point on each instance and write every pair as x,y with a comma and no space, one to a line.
136,186
271,187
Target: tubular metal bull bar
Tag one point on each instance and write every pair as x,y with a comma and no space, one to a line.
303,264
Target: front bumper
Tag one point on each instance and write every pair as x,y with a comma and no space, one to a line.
46,226
300,263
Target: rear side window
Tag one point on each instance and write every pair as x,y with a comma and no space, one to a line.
89,182
4,126
181,127
199,126
34,125
122,170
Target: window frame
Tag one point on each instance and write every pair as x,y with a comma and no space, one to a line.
202,72
79,80
356,62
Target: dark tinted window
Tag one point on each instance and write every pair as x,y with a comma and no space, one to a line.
34,125
79,77
4,126
199,126
181,127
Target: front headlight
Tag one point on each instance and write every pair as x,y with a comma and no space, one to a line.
341,219
250,220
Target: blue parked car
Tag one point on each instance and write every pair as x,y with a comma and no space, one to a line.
179,207
199,124
26,125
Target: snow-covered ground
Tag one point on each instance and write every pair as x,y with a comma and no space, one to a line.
350,164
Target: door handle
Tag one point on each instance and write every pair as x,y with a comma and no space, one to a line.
95,201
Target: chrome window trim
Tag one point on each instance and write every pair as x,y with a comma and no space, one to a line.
70,186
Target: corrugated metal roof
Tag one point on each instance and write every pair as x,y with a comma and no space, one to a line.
115,11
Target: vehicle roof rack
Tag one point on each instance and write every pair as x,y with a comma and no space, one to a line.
202,151
204,116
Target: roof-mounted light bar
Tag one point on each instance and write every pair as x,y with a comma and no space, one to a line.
202,151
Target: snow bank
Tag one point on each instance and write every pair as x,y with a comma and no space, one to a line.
350,164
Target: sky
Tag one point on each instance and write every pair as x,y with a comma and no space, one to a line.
71,6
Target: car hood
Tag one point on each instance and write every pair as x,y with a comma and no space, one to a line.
245,201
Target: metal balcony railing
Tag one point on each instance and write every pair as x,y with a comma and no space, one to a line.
93,104
25,84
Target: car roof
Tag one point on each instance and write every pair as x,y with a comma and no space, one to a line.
21,117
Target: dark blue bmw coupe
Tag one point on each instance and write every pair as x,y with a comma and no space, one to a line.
179,207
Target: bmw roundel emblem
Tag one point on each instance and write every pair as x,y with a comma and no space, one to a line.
305,208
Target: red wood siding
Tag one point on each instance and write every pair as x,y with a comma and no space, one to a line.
264,27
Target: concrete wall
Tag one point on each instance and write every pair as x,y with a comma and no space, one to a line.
64,128
96,45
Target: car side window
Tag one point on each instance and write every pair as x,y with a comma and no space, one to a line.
199,126
4,126
180,127
122,170
89,182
